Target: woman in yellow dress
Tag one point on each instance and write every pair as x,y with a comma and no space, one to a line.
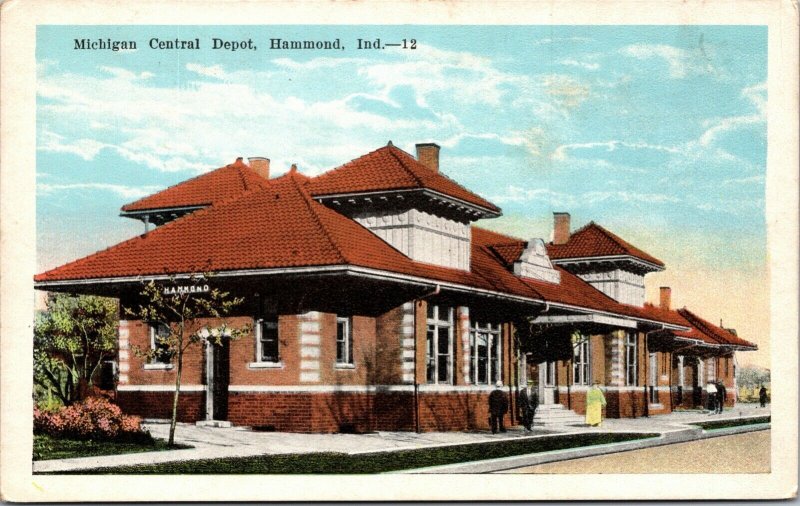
595,400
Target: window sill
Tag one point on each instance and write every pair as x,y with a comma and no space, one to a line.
345,366
265,365
158,367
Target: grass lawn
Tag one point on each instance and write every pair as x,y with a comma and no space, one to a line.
724,424
340,463
48,448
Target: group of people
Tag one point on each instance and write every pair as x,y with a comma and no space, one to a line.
528,402
716,396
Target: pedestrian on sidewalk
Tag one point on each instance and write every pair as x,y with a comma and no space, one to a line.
762,396
528,401
498,406
595,400
711,393
721,394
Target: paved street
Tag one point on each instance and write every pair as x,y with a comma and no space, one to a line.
740,453
209,442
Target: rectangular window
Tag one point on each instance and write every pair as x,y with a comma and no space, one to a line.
267,349
580,362
631,350
159,335
485,352
439,345
344,341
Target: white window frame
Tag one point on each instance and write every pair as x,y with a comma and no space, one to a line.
348,342
259,325
157,362
582,362
631,358
433,326
494,339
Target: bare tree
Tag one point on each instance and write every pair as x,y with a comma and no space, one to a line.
184,312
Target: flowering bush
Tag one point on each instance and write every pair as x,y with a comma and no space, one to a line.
95,418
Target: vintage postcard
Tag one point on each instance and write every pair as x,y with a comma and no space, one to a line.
408,250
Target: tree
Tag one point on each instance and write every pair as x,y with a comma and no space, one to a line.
71,339
184,312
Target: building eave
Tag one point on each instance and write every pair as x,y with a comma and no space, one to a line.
644,264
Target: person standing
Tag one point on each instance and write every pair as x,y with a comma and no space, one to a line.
498,405
595,400
721,394
528,401
762,396
711,394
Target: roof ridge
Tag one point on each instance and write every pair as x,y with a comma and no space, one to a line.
306,198
403,164
701,324
179,183
484,229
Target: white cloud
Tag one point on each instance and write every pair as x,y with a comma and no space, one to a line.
215,71
715,128
126,75
622,196
523,195
565,90
127,192
681,62
549,40
84,148
584,65
560,153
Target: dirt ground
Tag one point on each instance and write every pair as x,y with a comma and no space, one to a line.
740,453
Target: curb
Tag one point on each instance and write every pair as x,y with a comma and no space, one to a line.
506,463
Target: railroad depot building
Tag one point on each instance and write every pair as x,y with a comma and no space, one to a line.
377,303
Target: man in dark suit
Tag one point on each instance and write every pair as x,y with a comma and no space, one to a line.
720,396
498,405
528,401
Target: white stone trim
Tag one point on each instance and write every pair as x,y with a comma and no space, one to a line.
309,346
160,388
357,388
265,365
408,347
123,379
309,365
309,352
309,377
152,367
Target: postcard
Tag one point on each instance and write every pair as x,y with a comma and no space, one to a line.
399,251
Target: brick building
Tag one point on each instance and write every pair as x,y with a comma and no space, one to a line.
376,303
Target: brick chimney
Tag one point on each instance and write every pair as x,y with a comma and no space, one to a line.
561,228
665,293
260,165
428,155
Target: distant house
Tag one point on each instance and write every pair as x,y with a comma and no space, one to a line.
377,304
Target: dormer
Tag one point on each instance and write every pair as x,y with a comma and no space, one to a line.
407,202
534,263
199,192
602,259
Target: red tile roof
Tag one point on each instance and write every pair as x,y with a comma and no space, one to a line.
592,240
710,333
203,190
390,168
572,290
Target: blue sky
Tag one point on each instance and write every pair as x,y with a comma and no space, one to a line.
657,132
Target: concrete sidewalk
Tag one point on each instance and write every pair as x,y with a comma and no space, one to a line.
212,443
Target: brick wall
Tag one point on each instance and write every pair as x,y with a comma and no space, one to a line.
191,405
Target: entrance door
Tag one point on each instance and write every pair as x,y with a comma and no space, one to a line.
217,380
697,385
547,382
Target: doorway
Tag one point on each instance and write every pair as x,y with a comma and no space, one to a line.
217,380
547,382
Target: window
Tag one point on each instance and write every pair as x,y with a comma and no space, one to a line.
631,349
580,362
159,336
484,345
344,341
267,340
439,345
